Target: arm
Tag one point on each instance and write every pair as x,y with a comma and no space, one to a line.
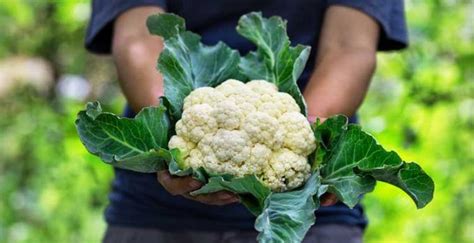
135,53
344,66
345,63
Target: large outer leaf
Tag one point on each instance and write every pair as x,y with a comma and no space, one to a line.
353,162
251,191
134,144
275,60
287,216
186,63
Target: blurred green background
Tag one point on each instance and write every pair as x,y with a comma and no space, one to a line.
421,103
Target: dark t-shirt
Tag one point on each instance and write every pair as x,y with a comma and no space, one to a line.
138,199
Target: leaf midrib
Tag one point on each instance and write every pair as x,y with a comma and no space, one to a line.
123,143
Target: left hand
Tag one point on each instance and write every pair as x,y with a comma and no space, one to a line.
184,185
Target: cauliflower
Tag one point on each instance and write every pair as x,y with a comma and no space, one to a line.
246,129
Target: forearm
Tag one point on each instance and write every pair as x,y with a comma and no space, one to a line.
340,81
345,63
135,53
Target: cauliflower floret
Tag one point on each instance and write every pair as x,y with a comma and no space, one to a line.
182,144
287,103
203,95
276,104
205,144
259,156
214,165
228,115
181,130
231,87
286,170
232,146
298,134
240,94
267,103
262,87
224,152
262,128
197,121
194,160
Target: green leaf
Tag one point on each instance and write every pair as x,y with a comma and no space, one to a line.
147,162
327,133
135,144
353,162
287,216
274,60
250,190
187,64
165,25
410,177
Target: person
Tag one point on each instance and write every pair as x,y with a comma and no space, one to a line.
344,35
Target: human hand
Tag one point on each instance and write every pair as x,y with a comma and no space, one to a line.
184,185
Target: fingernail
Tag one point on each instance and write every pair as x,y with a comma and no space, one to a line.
236,199
195,184
328,202
224,196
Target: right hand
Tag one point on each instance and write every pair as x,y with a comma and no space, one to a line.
184,185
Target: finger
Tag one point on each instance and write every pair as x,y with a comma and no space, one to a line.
328,199
218,198
211,200
177,185
216,202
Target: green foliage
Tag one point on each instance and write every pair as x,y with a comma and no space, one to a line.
52,189
274,60
187,64
48,28
280,212
353,162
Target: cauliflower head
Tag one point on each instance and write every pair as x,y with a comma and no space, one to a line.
246,129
